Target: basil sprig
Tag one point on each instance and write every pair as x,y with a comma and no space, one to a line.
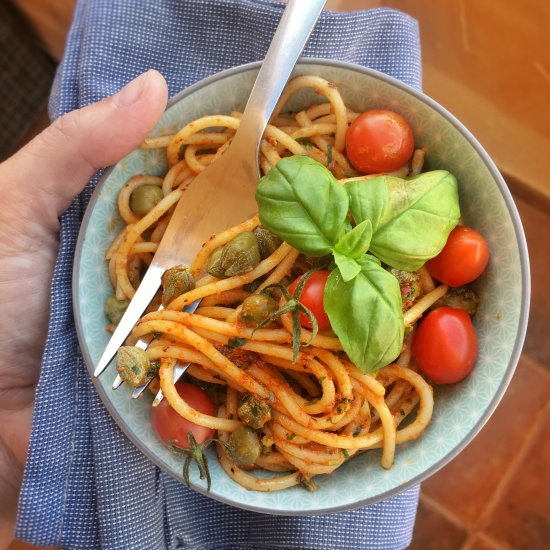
401,222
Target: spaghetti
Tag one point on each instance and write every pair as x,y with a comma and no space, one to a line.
322,409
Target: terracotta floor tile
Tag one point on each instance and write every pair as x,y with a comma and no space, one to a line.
433,531
467,483
522,518
537,229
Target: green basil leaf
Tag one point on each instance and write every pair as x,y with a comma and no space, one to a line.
411,219
356,242
301,202
349,268
366,314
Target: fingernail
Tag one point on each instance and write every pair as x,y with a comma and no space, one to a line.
133,90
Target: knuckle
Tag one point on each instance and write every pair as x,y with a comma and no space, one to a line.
66,126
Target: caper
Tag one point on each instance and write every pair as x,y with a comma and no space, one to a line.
176,281
245,446
144,198
214,264
267,242
460,298
114,309
240,254
257,308
133,365
317,262
254,412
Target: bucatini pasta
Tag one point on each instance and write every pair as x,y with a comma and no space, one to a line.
315,409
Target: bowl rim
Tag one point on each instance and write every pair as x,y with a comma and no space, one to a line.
524,302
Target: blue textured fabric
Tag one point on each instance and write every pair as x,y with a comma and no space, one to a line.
85,485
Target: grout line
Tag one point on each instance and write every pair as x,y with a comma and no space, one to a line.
442,510
488,541
520,189
535,365
504,483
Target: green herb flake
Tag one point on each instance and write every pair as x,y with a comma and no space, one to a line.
304,142
308,484
329,155
236,342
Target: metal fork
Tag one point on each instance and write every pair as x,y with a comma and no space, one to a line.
223,194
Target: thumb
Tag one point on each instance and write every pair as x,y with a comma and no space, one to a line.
55,166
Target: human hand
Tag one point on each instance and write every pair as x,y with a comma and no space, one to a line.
37,185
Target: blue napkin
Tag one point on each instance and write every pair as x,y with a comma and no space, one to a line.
85,485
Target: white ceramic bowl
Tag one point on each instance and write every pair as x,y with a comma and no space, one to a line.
460,410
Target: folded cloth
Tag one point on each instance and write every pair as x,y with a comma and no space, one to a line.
85,485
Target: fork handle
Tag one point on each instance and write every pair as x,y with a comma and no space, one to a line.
289,40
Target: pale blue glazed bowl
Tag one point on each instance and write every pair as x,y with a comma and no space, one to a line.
460,410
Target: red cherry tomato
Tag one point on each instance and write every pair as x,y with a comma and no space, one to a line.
445,345
379,141
463,258
170,426
313,298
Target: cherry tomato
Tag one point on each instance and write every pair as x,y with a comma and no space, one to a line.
170,426
379,141
445,345
463,258
313,297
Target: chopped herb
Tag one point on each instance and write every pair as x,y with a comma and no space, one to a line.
308,484
290,436
329,155
236,342
153,368
356,431
321,379
304,141
345,453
